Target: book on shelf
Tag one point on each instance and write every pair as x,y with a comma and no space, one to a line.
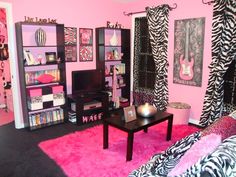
38,119
54,116
61,114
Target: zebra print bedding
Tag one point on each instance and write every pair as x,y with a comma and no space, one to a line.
162,163
220,163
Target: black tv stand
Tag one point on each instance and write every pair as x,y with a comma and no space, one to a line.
84,94
92,93
83,99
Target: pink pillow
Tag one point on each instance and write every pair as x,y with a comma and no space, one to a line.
224,126
45,78
202,147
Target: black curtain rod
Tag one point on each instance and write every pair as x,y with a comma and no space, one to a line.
209,2
132,13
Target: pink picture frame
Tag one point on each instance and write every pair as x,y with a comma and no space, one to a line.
86,36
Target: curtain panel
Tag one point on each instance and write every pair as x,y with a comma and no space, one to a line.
141,95
158,18
223,53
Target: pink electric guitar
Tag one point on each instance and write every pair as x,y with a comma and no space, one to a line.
186,66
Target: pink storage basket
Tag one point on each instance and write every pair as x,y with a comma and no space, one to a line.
180,111
32,92
57,89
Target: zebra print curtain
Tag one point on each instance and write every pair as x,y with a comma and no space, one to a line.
223,52
141,95
158,30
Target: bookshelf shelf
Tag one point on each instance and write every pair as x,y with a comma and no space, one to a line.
119,60
44,110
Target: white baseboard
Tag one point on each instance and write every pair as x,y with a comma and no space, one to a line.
19,126
194,121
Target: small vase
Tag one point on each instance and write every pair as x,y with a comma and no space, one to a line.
43,61
114,39
40,37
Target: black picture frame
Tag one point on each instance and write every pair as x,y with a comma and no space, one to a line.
70,34
86,44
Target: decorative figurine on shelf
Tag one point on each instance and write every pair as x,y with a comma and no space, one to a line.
40,37
116,55
29,57
107,85
114,39
39,59
111,69
109,55
106,71
58,60
42,59
115,97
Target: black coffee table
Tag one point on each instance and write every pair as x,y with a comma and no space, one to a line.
116,119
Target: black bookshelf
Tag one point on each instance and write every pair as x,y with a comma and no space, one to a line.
25,35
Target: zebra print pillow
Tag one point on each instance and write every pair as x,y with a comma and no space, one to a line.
220,163
162,163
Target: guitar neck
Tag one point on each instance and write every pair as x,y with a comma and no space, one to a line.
186,40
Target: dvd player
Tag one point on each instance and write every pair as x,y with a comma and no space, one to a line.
93,104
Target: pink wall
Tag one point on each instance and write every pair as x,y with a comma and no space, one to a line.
79,14
92,14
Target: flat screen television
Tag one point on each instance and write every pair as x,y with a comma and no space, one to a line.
87,81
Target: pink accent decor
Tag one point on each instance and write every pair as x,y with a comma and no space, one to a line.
6,117
82,154
45,78
57,89
32,92
181,115
114,85
219,127
204,146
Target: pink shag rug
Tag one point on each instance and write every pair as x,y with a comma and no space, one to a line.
81,153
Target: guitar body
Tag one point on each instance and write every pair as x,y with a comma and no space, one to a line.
186,68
